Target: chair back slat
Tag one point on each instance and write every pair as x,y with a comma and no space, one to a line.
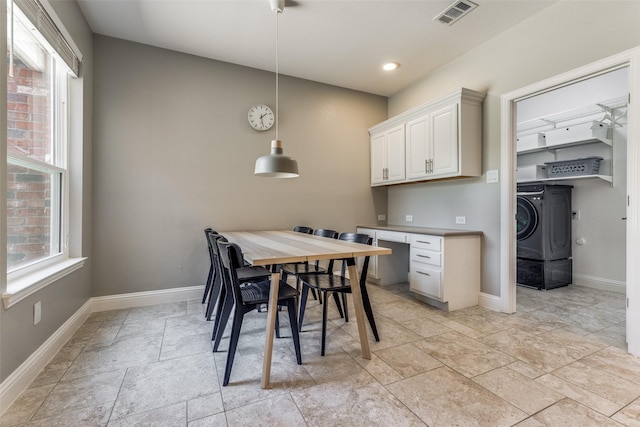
325,232
303,229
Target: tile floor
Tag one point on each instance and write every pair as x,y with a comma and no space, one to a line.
559,361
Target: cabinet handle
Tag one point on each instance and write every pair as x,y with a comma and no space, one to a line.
423,241
424,274
430,165
426,166
424,256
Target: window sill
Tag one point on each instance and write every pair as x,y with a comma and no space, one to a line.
22,287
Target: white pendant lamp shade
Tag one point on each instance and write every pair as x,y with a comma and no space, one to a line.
276,164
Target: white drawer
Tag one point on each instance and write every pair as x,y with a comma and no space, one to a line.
391,236
423,241
425,256
425,280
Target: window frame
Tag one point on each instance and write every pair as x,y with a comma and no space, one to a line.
30,277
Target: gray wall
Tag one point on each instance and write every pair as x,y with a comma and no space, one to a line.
60,300
562,37
174,153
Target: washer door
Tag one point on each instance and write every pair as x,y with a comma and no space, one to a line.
526,218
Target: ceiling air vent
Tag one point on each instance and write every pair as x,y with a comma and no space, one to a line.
456,11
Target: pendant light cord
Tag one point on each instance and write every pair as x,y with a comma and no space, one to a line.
277,104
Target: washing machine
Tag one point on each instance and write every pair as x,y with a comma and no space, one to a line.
543,226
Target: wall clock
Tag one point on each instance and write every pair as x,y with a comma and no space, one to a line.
261,117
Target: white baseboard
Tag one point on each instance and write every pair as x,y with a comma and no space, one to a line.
20,379
489,301
599,283
140,299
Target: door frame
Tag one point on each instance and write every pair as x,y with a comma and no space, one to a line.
631,59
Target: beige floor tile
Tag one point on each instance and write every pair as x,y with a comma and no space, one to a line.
408,360
442,397
25,406
522,392
169,416
101,358
604,384
96,416
204,406
168,382
531,349
218,420
278,410
171,309
568,413
467,356
376,367
617,362
629,415
79,393
526,369
359,400
579,394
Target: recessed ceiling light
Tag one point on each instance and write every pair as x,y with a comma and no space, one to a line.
389,66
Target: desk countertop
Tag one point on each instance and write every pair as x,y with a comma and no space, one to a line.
424,230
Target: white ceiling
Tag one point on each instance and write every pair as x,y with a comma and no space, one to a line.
339,42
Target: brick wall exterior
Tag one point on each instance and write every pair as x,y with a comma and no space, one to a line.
28,191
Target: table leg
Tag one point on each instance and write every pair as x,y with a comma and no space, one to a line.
272,312
354,278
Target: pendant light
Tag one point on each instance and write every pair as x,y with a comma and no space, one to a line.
276,164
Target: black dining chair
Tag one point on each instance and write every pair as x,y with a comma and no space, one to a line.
298,268
327,284
209,282
219,295
303,229
249,297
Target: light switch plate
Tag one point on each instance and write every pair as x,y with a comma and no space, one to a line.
382,217
492,176
461,220
37,312
408,218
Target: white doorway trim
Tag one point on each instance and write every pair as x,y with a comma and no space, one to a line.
630,58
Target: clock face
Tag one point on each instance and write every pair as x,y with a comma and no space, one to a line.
261,117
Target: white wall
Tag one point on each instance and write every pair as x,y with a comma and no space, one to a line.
560,38
174,153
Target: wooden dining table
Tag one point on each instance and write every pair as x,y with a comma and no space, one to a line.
277,247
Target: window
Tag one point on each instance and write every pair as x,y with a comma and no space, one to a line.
36,146
43,152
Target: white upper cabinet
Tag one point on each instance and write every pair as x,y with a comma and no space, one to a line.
442,139
387,156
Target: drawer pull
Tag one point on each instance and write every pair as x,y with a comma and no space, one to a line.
423,241
424,274
424,256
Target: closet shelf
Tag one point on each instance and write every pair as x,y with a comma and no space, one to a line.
570,117
607,178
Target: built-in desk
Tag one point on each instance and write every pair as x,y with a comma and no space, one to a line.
441,265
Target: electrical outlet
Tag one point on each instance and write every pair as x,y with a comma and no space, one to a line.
382,217
461,220
408,218
37,312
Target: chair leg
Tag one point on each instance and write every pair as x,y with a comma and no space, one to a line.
345,307
291,306
277,323
369,312
214,295
338,305
227,306
233,345
207,286
303,305
324,323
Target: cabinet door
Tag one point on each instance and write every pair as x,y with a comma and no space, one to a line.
444,141
395,154
418,152
378,154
